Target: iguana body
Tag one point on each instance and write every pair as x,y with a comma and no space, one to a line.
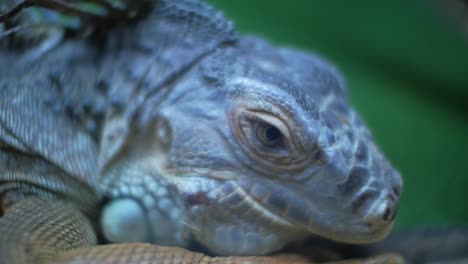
185,132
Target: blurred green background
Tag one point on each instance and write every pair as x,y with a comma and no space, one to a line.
407,72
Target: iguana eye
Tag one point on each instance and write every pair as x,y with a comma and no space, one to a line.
268,138
265,135
269,135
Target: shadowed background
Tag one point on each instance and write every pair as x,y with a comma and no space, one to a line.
406,66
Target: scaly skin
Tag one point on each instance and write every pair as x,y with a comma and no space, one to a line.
185,133
43,230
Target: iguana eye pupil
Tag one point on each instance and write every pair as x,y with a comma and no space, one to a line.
272,133
269,136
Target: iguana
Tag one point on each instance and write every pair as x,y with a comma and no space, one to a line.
173,130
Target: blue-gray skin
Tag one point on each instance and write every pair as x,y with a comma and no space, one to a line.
193,134
255,146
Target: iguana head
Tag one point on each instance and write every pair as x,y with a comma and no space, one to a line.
261,147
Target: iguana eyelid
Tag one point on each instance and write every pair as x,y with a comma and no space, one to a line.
268,118
292,140
262,117
243,121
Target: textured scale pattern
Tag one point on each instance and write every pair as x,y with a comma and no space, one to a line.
44,227
72,113
72,147
26,175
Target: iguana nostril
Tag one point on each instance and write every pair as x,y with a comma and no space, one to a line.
386,215
390,213
394,214
381,213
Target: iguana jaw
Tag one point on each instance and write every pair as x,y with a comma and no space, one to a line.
227,220
235,216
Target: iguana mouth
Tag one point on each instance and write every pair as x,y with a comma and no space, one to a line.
355,230
241,201
283,213
230,220
357,234
230,196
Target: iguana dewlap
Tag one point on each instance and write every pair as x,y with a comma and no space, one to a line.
184,132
